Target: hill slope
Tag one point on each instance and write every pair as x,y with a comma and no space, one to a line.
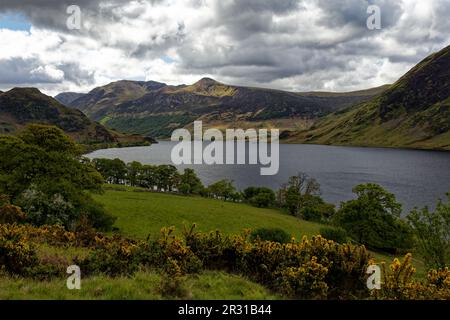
154,108
68,97
21,106
413,113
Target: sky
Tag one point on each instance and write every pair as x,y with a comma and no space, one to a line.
294,45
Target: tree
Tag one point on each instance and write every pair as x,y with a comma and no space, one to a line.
432,233
134,173
223,189
259,197
373,219
314,208
113,171
148,176
49,138
167,177
297,191
190,183
37,176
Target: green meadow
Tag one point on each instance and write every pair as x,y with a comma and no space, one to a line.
141,214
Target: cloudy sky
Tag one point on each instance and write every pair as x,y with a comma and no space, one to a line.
297,45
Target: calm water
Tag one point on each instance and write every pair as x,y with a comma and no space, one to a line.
417,178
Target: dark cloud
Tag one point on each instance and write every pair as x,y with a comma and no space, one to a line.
32,71
18,70
247,41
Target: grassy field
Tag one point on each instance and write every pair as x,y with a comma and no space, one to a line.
142,286
140,214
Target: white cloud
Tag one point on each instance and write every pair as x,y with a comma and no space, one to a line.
292,45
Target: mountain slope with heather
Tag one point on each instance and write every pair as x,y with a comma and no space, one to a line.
156,109
412,113
21,106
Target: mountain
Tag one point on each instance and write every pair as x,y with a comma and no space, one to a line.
68,97
21,106
156,109
414,112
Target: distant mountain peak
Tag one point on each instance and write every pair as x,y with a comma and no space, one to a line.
207,82
25,90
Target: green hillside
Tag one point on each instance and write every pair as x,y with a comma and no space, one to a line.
142,213
21,106
156,109
412,113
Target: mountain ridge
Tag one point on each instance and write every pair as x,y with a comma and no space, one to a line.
413,113
156,108
22,106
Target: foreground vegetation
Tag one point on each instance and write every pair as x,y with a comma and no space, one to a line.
53,207
209,285
309,269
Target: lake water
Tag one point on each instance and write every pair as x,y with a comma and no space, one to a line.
417,178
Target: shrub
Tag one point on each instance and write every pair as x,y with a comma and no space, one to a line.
398,283
271,234
432,231
311,214
259,197
305,282
171,253
215,250
17,255
11,214
117,257
336,234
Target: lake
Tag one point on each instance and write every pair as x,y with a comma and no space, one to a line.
416,177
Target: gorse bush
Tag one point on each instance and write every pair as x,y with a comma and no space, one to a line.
398,283
11,214
271,234
314,268
17,255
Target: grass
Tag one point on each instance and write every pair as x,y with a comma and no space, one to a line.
142,286
140,214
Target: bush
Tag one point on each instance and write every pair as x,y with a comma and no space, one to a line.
311,214
271,234
305,282
117,257
17,256
11,214
432,231
171,253
259,197
336,234
399,284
